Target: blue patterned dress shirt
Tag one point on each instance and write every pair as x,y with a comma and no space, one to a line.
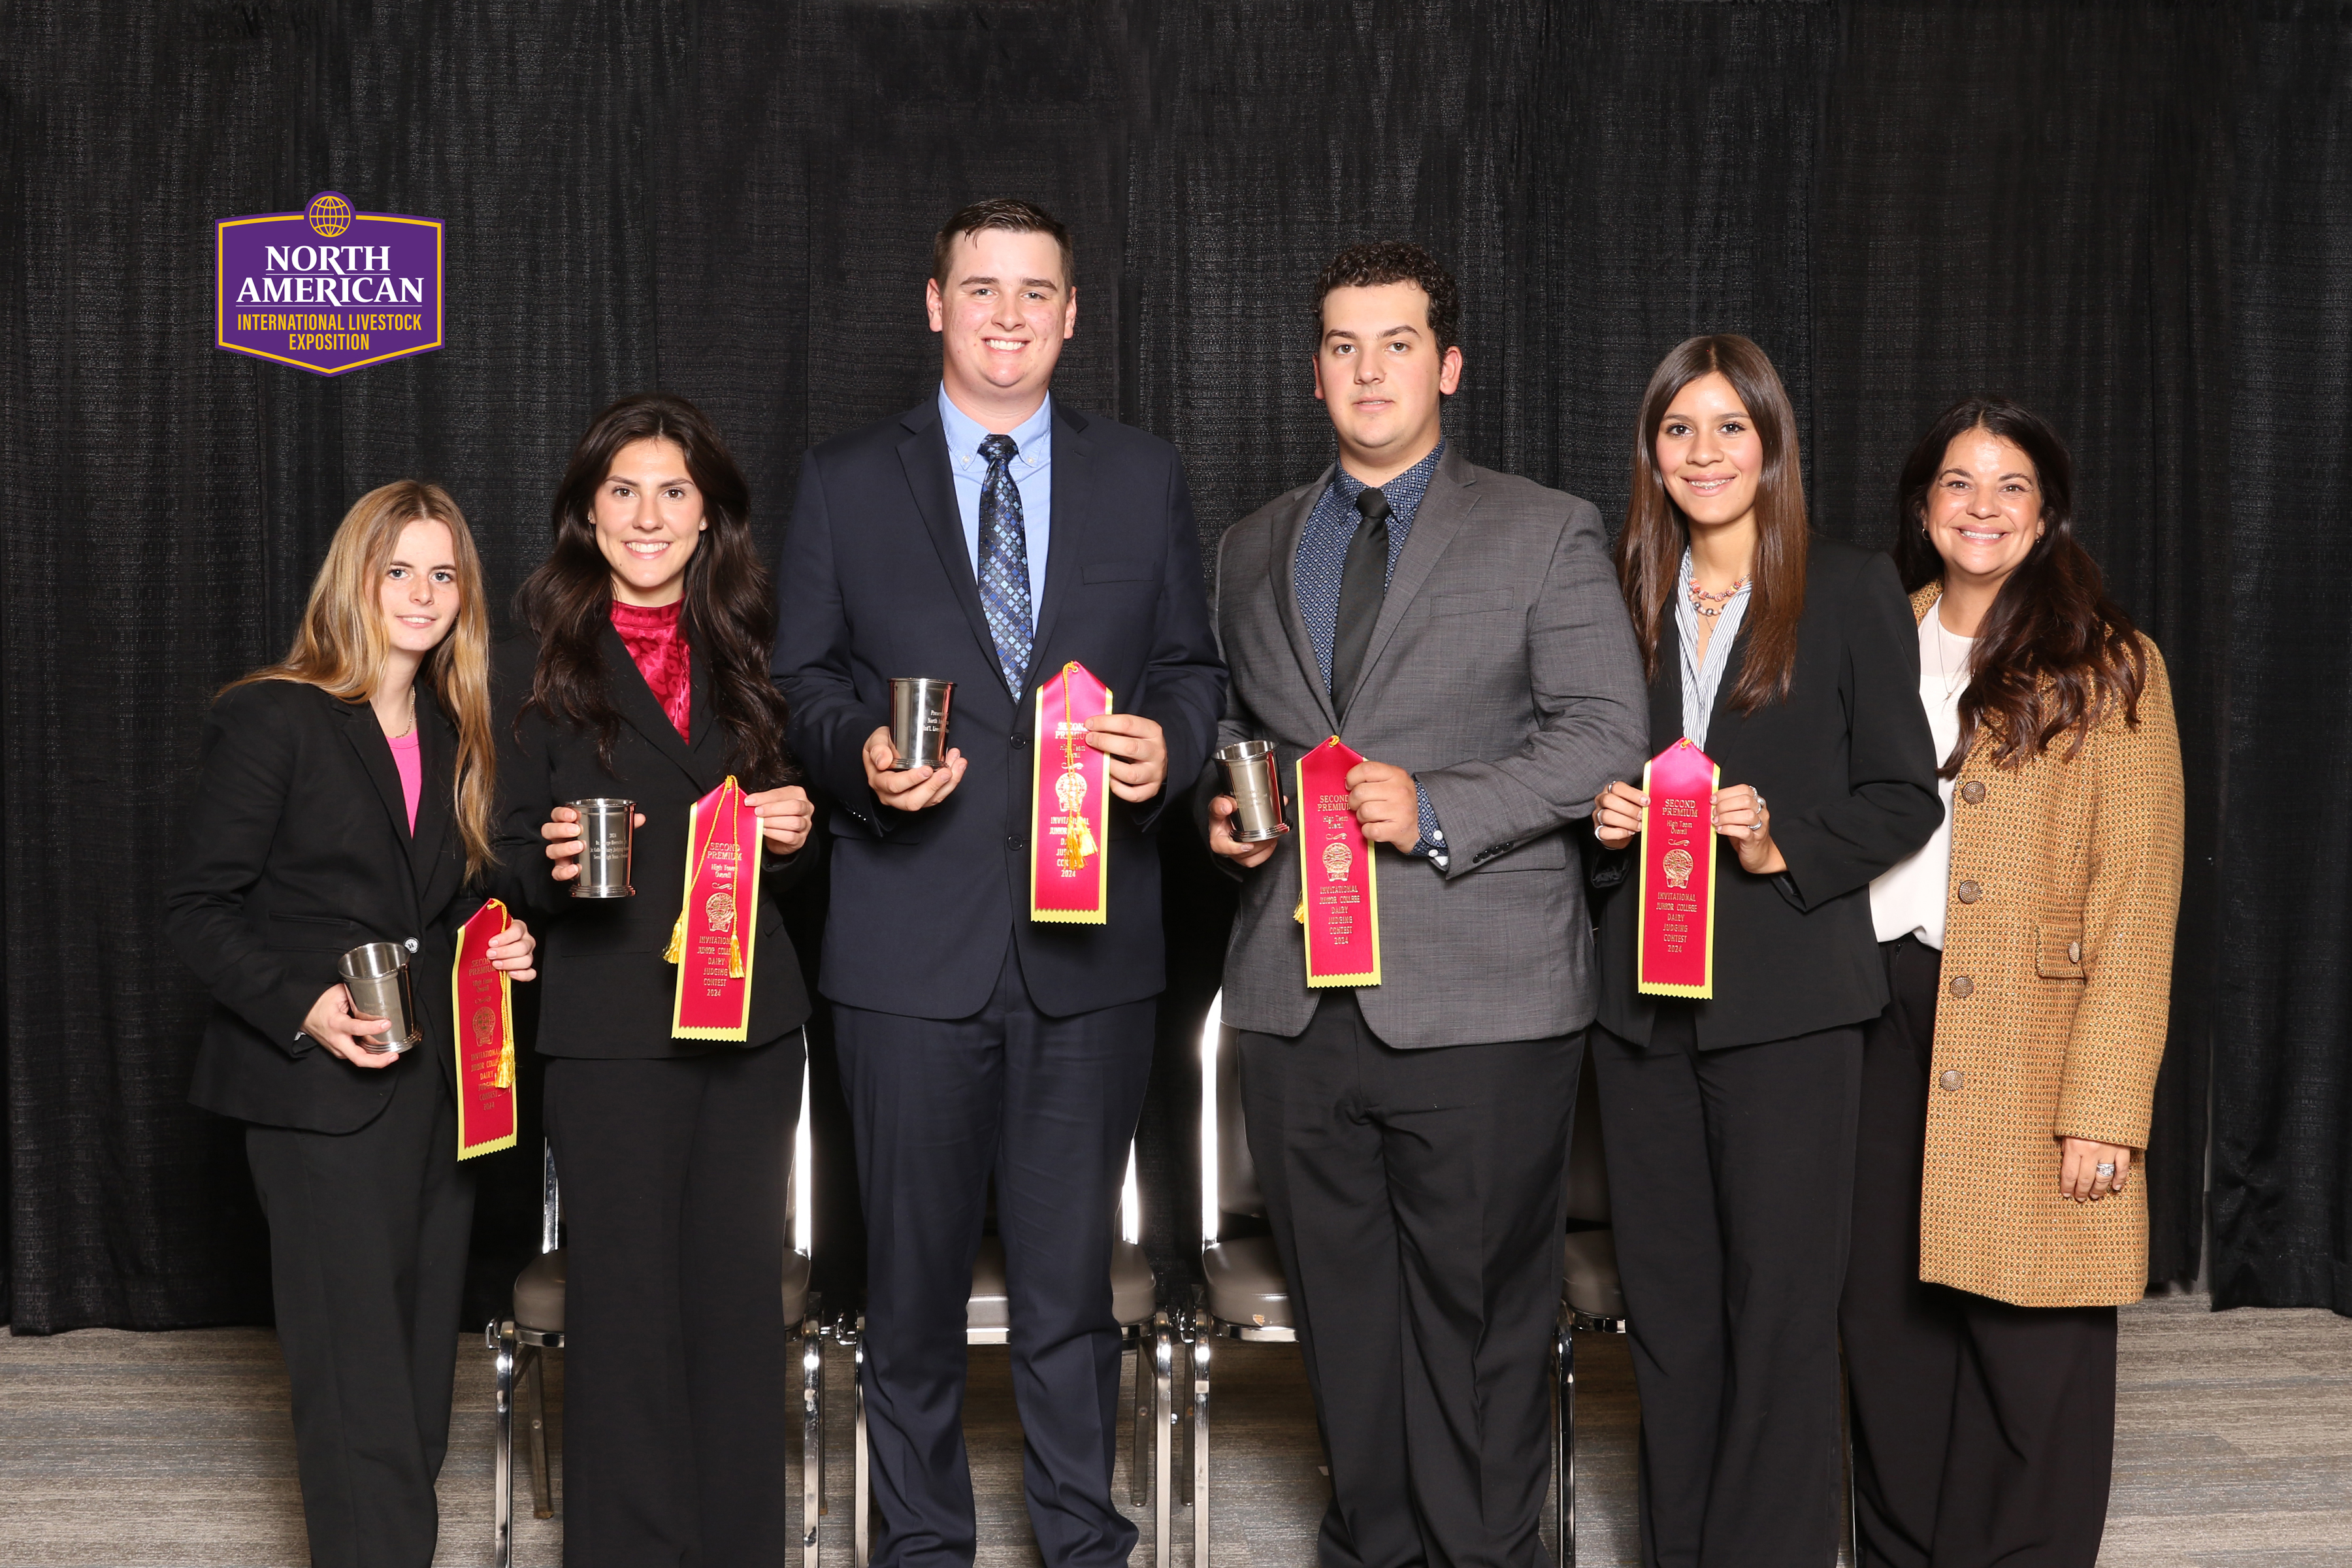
1323,551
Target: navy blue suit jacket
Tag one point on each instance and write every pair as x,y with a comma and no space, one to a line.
875,583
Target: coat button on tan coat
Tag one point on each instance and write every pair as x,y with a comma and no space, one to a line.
2054,1015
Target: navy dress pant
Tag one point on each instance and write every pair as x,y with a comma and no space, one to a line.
367,1263
1047,1107
679,1389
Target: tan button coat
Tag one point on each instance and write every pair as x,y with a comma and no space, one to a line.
2050,1018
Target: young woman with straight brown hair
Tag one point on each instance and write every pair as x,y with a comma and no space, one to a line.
1730,1123
643,673
345,798
2006,1088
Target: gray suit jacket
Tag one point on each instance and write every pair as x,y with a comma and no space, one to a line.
1502,674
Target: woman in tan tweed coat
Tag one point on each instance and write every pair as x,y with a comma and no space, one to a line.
2029,956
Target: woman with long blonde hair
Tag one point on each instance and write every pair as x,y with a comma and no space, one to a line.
345,797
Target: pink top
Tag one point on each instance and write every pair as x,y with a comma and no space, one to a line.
410,760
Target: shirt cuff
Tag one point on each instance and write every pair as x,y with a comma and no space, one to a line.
1431,843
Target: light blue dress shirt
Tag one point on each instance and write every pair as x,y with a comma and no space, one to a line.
1032,476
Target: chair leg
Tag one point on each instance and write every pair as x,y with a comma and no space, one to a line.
502,1341
861,1504
1180,1420
542,1475
1164,1389
1563,1452
812,1438
1139,1479
1200,1445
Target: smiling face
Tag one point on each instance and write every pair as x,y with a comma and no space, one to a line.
1378,371
649,517
1984,508
1709,453
419,592
1002,318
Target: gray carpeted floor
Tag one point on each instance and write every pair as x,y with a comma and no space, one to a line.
2234,1450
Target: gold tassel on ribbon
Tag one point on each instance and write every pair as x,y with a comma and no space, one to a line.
734,957
506,1074
676,951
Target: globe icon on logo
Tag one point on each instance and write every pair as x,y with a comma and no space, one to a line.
330,214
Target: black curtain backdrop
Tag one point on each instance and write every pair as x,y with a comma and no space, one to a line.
2136,218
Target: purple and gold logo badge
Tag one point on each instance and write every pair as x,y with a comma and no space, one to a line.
328,289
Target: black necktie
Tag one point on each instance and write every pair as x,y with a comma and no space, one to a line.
1363,584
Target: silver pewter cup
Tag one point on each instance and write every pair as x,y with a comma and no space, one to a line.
375,975
606,829
918,721
1253,780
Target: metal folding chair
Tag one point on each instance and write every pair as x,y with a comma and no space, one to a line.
1245,1295
1592,1297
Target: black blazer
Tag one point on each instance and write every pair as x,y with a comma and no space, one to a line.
1846,767
876,581
605,990
297,850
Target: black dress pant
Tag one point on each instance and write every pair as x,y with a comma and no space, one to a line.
1983,1433
1417,1200
1730,1188
679,1386
368,1233
1048,1106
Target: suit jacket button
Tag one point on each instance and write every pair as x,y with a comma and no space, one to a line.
1973,792
1020,742
2073,953
1952,1080
410,944
1013,841
1962,986
1970,892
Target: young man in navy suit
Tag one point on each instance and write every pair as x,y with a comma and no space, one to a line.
988,536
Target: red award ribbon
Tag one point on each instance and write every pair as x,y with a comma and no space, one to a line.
1069,816
712,944
481,1006
1676,945
1340,889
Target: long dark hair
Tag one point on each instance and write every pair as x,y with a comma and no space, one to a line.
2054,654
1650,551
730,610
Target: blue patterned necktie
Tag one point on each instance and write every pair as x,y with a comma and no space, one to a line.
1004,560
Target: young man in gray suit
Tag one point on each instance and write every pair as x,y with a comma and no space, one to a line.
1462,630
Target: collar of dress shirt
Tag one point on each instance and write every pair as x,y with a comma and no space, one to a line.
1404,491
1034,435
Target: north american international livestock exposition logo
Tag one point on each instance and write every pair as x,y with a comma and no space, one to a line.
329,289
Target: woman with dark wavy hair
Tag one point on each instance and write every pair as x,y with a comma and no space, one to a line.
643,673
1730,1121
2028,948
